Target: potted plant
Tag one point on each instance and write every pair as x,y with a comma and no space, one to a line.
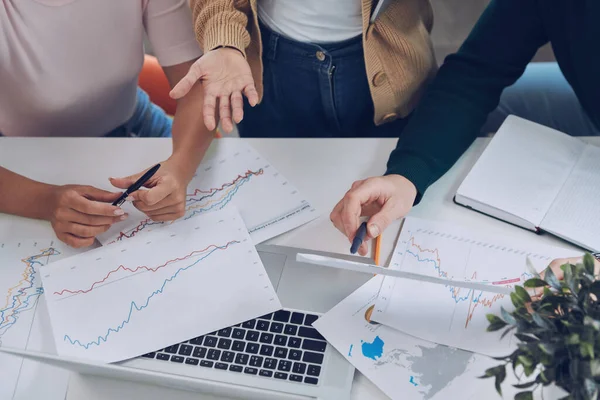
558,334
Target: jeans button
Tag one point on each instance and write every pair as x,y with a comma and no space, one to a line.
320,55
379,79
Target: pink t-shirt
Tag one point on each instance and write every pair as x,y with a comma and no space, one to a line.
70,67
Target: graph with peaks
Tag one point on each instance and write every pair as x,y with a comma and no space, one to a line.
231,174
450,315
20,295
147,293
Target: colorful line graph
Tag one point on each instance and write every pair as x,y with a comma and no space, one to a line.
132,271
474,298
134,307
22,296
200,201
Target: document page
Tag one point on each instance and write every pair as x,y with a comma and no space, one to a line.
522,170
146,293
575,214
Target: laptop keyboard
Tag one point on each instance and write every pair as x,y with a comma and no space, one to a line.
281,345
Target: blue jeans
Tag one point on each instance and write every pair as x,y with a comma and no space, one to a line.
314,91
148,120
544,96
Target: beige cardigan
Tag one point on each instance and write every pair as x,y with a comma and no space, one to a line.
398,52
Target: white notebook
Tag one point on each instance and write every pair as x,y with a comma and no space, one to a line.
540,179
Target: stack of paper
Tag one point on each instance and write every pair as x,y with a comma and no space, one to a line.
421,340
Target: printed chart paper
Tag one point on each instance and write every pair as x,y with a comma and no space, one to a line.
22,320
402,366
171,285
232,174
448,315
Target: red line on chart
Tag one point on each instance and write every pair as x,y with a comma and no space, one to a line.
134,270
223,186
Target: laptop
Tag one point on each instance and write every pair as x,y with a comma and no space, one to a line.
275,356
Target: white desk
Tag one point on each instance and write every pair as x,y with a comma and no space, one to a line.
323,169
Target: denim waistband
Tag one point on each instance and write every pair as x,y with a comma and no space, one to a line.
276,45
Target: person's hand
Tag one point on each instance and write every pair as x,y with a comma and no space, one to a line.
164,198
558,272
225,75
80,213
383,199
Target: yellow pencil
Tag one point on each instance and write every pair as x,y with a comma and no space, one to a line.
377,249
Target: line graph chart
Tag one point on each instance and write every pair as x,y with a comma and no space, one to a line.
232,174
446,314
20,291
136,285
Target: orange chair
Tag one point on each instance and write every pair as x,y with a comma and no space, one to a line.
153,81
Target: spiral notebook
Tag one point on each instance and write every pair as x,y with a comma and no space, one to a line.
540,179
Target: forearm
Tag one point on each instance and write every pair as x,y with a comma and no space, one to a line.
191,138
23,196
221,23
466,90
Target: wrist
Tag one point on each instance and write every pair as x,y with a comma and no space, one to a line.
404,184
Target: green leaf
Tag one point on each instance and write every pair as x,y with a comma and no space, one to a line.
516,300
594,323
525,338
552,279
493,371
499,379
588,263
548,348
541,321
573,339
526,361
507,317
569,278
534,282
587,349
524,385
595,368
492,318
522,293
591,388
496,326
528,369
524,395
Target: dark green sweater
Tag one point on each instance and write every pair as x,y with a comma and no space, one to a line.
469,83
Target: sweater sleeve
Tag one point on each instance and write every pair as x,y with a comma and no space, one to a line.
221,23
466,89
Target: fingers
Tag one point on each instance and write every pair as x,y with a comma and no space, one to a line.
92,193
66,214
225,113
352,207
124,183
208,111
82,231
251,94
168,206
381,220
74,241
187,82
147,200
76,201
237,107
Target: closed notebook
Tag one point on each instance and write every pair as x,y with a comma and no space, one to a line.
540,179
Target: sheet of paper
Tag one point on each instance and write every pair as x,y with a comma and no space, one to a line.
522,169
575,213
232,174
171,285
402,366
21,320
447,315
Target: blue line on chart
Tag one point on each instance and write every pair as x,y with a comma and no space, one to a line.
31,261
412,380
224,201
194,200
134,307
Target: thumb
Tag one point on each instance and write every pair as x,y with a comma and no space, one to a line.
124,183
187,82
92,193
381,220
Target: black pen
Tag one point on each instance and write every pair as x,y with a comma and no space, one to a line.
137,184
